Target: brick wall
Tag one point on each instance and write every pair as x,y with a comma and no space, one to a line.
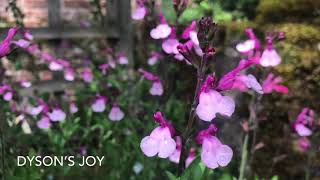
36,12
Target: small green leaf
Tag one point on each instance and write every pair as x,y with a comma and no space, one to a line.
171,176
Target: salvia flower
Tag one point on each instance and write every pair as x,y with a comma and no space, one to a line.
99,105
304,143
214,153
162,31
57,115
5,45
44,123
160,141
212,102
191,156
175,157
272,83
244,82
116,114
154,58
73,107
69,74
269,56
87,75
34,111
123,59
304,120
157,87
139,13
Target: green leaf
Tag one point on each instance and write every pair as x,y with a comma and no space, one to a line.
275,178
171,176
194,171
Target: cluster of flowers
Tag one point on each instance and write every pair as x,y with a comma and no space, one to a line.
193,48
49,113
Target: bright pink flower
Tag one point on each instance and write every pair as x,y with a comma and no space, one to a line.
116,114
175,157
57,115
5,45
139,13
211,103
44,123
87,75
191,157
73,107
191,28
214,153
160,140
47,57
227,81
304,143
273,84
99,104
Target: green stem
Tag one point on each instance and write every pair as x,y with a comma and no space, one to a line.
244,157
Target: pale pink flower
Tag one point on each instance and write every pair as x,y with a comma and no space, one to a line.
246,46
154,58
57,115
116,114
170,46
156,89
139,13
55,66
175,157
250,82
8,96
99,104
73,107
87,75
34,111
44,123
162,31
211,103
269,56
160,141
304,120
22,43
69,74
123,59
214,153
25,84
